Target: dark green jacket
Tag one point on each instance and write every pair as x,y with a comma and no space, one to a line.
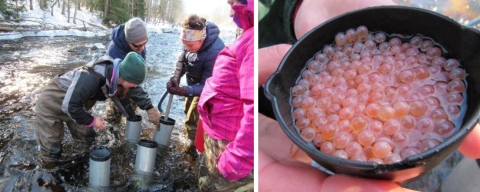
276,26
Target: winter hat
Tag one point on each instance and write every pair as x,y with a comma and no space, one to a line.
135,30
133,69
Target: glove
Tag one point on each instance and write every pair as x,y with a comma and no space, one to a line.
173,88
172,84
154,115
174,79
180,91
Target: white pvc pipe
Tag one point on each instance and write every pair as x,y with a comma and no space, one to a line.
169,104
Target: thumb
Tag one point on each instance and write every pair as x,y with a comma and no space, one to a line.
268,60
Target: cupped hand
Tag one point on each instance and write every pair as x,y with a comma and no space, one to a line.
285,167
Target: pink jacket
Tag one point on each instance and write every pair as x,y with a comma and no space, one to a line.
226,104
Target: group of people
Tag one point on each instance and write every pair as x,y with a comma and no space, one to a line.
219,95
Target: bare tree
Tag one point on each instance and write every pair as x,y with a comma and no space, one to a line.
16,5
56,1
31,5
63,7
43,4
68,9
106,9
75,2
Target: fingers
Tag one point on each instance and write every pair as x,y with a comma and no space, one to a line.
276,176
169,87
292,178
470,146
99,123
268,60
340,182
273,141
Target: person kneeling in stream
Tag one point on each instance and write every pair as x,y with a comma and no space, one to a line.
67,98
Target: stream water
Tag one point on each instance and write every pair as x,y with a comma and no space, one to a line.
29,63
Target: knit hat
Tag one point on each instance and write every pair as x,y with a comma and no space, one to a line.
133,69
135,30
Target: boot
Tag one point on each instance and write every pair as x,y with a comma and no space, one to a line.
192,151
56,150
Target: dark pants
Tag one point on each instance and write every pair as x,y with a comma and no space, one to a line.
51,121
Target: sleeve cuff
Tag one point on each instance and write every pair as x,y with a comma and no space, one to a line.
148,107
290,13
92,123
227,171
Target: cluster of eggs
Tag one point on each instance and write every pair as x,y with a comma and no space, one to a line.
369,98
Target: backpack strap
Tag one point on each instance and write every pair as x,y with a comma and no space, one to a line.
109,61
105,59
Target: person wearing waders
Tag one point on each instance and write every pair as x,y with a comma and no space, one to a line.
201,47
67,99
129,37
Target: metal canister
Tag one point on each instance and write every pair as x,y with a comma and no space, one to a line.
99,167
146,153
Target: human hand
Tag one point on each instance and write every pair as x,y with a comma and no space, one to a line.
283,163
154,115
180,91
174,88
313,12
268,60
172,83
174,80
99,123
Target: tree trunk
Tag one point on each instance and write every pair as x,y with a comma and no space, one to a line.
16,6
68,9
63,7
130,8
43,4
54,6
75,13
78,5
105,10
31,5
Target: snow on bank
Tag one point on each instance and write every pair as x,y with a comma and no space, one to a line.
39,19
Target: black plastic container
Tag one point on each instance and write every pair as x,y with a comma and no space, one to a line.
461,42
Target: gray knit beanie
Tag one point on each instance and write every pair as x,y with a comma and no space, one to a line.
135,30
